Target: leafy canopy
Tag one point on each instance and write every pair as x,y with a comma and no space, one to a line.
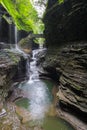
23,13
60,1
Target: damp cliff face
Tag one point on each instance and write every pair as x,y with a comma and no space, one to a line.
68,66
65,22
12,68
66,59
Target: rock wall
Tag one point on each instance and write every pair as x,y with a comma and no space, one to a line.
71,66
11,64
65,22
66,59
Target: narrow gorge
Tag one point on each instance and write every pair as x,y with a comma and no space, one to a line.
66,58
43,84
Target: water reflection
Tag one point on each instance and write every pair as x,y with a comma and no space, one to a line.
39,101
39,98
39,104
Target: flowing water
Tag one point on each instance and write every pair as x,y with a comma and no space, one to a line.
13,39
39,101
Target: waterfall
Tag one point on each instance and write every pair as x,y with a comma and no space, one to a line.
27,67
40,46
16,39
34,75
13,38
17,49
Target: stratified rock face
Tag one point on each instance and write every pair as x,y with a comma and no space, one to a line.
73,81
65,22
66,60
11,64
70,63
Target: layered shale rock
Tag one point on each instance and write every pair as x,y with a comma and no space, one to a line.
73,80
12,68
66,59
68,66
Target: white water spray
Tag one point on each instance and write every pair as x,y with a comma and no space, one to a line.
34,75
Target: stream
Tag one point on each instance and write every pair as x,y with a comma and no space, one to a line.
39,101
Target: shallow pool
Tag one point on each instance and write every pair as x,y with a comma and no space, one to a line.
39,103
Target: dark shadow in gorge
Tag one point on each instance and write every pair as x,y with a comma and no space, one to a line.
73,111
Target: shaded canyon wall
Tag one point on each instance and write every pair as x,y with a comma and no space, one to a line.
66,59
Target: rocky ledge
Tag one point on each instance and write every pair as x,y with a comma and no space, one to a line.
66,60
12,68
68,66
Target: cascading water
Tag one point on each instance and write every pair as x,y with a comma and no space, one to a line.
38,100
36,91
13,39
34,75
16,40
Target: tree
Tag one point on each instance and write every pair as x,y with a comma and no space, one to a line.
22,12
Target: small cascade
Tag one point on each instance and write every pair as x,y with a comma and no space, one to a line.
16,40
13,38
38,100
28,68
40,46
34,75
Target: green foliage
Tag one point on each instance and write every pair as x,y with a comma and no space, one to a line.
60,1
39,30
8,19
39,40
23,13
39,27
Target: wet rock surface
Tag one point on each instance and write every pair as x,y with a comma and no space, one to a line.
11,121
70,70
10,62
26,44
66,60
4,45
